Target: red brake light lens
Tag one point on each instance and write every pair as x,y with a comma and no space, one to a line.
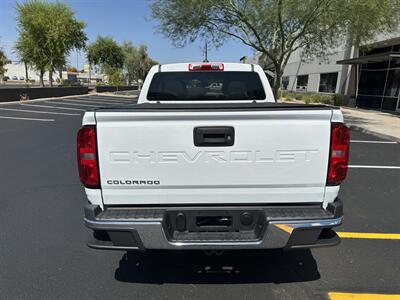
338,154
206,67
87,157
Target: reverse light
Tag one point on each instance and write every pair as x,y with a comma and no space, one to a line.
338,154
87,157
206,67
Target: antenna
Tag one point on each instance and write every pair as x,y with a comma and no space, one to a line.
205,52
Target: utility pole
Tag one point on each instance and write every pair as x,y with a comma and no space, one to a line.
77,68
205,52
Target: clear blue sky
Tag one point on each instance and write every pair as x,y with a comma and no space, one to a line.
123,20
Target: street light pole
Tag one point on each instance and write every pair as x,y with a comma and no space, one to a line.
77,60
205,52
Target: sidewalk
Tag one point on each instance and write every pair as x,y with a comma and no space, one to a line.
377,123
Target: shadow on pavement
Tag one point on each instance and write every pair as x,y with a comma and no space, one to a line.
267,266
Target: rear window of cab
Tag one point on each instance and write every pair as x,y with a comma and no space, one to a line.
207,85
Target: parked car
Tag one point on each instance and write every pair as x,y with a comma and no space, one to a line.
21,78
14,78
216,86
212,171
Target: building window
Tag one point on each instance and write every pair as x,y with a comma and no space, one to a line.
372,82
393,83
302,82
328,82
285,82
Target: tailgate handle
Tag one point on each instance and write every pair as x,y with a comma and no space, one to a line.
214,136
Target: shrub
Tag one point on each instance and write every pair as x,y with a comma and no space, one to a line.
298,96
326,99
67,82
337,100
315,98
284,94
330,99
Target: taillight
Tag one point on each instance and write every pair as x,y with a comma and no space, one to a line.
87,157
338,154
206,67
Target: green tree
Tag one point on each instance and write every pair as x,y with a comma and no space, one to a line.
137,62
48,32
106,54
130,56
116,78
72,69
277,28
143,63
3,62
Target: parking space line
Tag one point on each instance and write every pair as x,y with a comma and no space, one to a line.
372,142
73,104
116,98
367,235
39,112
94,101
362,296
28,119
87,102
373,167
125,99
112,101
55,107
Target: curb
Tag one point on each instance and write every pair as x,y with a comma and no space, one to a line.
374,133
44,99
115,95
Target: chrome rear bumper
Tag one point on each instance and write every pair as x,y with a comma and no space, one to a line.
132,229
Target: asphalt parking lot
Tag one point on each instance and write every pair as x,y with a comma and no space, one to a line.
42,238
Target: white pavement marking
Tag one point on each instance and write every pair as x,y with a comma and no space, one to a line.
39,112
373,167
114,100
73,104
372,142
28,119
55,107
94,101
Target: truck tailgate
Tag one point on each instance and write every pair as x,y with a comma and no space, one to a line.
150,157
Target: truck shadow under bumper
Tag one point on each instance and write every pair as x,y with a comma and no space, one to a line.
205,228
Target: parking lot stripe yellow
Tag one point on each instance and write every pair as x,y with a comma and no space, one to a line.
353,296
366,235
285,228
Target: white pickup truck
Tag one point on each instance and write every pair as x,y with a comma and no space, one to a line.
194,167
